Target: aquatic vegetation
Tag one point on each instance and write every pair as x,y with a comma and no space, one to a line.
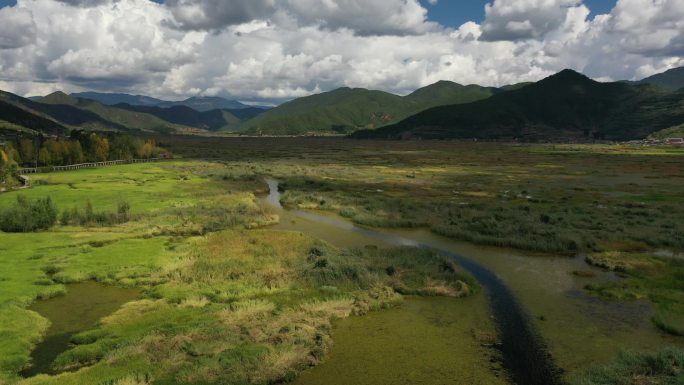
657,279
554,198
223,302
662,368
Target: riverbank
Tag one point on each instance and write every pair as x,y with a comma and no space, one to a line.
219,295
581,331
177,206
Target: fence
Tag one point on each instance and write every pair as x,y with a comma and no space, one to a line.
36,170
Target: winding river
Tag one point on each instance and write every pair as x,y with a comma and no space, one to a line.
524,352
544,318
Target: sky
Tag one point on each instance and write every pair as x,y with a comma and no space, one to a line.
270,51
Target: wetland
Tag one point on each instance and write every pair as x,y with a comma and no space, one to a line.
371,254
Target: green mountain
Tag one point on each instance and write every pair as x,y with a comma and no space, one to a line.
119,118
563,106
206,103
58,113
214,120
16,118
202,104
671,132
111,99
670,80
49,118
446,92
346,110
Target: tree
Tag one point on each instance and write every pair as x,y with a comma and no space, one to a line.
27,150
75,152
8,167
101,149
44,156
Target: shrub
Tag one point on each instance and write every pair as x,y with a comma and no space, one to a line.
89,217
26,215
664,367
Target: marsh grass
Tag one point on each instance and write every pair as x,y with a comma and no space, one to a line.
227,305
224,301
657,279
219,316
662,368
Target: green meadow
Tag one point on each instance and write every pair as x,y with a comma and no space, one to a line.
226,300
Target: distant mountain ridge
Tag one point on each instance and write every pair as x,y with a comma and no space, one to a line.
567,105
671,80
346,110
112,99
58,113
201,104
213,120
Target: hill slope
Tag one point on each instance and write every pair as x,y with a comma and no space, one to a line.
114,98
206,103
346,110
120,118
62,117
565,105
214,120
28,120
670,80
202,104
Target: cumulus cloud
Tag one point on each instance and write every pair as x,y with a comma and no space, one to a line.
272,51
18,28
524,19
649,27
85,3
365,17
216,14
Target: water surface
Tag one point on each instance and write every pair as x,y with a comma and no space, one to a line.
427,341
578,329
524,352
83,305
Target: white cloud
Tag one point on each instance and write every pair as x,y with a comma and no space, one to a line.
216,14
651,27
365,17
18,28
271,51
524,19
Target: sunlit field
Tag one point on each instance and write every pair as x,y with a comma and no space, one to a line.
226,298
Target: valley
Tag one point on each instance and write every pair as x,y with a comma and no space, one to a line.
341,192
228,281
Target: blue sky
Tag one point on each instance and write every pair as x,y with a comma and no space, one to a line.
224,47
454,13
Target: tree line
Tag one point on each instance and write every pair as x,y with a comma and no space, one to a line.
79,147
8,168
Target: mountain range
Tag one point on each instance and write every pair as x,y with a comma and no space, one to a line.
58,113
346,110
201,104
567,105
671,80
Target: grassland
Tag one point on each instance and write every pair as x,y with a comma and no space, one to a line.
553,198
619,200
663,368
659,279
228,301
225,300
